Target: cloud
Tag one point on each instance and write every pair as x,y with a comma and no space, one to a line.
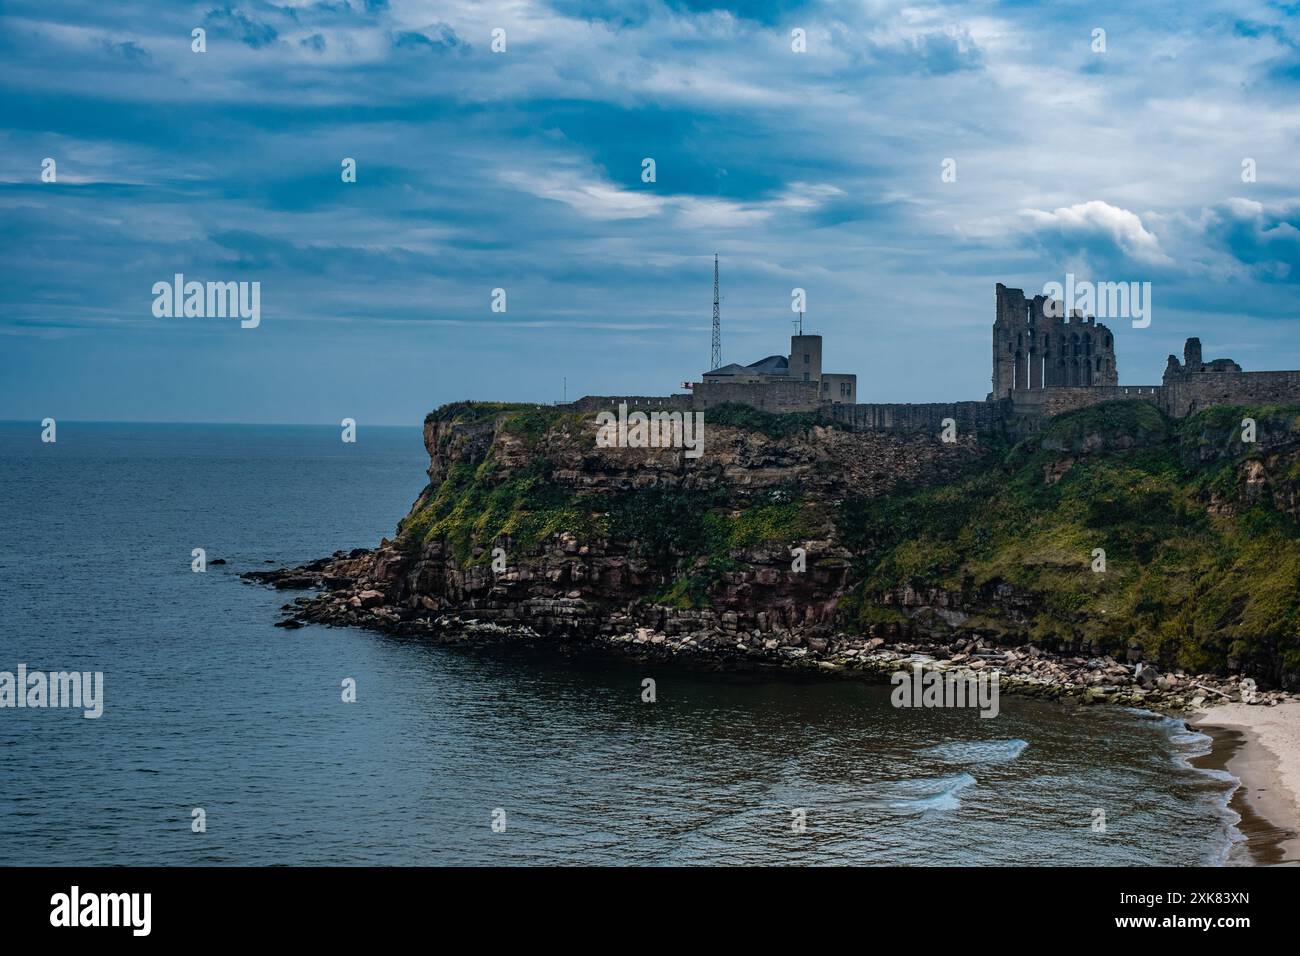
128,50
237,24
1097,224
438,36
1264,238
522,170
589,198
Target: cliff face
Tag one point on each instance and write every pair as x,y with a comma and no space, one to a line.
587,534
897,537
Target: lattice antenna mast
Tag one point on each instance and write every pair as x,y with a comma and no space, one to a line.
715,360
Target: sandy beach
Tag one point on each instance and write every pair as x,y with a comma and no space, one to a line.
1260,746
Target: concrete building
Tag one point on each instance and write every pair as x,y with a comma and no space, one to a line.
801,383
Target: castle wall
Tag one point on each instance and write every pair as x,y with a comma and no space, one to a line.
922,417
1192,391
774,396
602,403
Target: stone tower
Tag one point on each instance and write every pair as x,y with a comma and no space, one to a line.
1035,349
806,357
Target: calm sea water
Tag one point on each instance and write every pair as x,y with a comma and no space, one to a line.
208,705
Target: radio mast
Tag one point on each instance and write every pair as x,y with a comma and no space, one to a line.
715,360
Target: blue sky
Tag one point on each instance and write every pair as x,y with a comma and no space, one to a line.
522,170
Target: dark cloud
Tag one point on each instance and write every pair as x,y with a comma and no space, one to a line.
1267,239
438,36
234,23
128,50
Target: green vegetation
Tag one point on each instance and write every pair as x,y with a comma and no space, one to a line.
1196,571
772,424
696,532
471,509
1138,421
475,413
1198,586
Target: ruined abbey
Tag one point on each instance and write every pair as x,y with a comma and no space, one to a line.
1044,363
1032,349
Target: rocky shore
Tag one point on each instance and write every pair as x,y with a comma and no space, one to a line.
350,589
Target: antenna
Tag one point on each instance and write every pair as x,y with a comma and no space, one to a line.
715,360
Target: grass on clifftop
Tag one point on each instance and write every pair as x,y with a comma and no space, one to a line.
470,509
771,424
475,413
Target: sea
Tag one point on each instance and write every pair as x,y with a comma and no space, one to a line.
224,740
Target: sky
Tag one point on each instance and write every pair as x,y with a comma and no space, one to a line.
523,170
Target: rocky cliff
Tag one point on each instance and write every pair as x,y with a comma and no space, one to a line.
1113,536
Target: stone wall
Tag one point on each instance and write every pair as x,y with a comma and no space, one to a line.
601,403
1023,413
1190,392
925,417
777,396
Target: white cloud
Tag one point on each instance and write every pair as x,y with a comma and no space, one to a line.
1101,219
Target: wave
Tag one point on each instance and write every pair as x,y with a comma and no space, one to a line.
936,794
978,751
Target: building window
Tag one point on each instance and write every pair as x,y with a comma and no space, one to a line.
826,386
806,358
805,376
845,390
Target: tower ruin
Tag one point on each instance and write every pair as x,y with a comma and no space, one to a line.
1035,349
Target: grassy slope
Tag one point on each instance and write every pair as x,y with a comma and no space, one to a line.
1188,585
